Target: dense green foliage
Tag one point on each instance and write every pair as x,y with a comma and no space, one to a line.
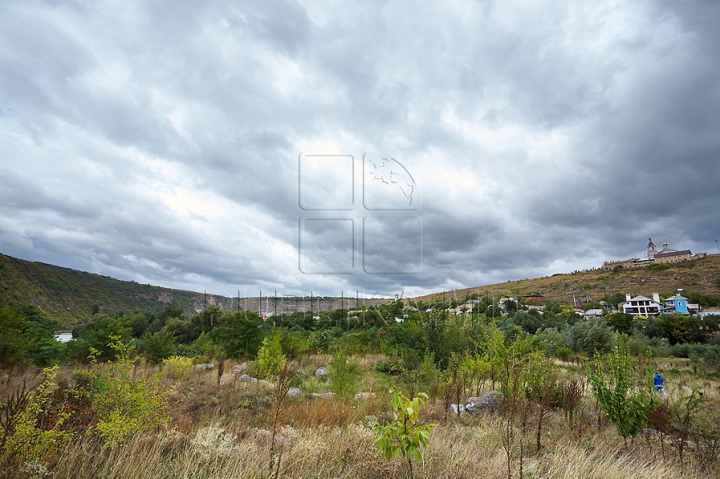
408,335
27,334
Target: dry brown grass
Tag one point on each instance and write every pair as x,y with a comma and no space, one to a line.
697,275
223,431
218,450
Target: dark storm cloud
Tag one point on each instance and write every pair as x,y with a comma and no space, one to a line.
160,142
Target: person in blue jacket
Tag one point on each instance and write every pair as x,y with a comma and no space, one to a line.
659,384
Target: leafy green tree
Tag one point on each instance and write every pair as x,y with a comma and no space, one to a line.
649,327
403,435
13,345
678,328
98,332
621,322
241,338
407,340
529,322
591,336
28,333
182,329
270,358
625,403
554,341
205,321
344,376
159,346
138,322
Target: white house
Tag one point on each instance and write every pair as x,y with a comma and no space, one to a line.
642,306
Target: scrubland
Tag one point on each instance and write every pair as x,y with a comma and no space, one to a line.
213,424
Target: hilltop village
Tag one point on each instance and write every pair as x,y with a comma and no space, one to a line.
664,256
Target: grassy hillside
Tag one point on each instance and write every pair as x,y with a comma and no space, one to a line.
68,295
700,275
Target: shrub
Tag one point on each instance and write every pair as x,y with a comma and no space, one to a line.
159,346
402,436
343,376
624,404
177,366
591,336
554,341
35,430
658,267
126,406
270,359
393,367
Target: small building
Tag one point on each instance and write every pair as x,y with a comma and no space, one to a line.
679,304
642,306
593,313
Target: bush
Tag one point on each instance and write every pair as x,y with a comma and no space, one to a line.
626,405
658,267
344,376
591,336
125,406
270,359
393,367
554,342
403,436
177,366
36,430
159,346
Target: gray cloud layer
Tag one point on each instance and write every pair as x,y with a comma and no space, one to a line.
159,141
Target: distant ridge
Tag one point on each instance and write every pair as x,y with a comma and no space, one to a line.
69,295
698,275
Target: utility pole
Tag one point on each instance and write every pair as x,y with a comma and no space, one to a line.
276,302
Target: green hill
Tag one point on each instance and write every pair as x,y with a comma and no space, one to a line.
69,295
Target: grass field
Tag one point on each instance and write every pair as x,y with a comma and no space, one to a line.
221,427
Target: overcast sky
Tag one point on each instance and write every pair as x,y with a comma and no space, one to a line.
371,146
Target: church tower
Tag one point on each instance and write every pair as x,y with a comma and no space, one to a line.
651,250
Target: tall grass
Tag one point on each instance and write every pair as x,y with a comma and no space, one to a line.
225,431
